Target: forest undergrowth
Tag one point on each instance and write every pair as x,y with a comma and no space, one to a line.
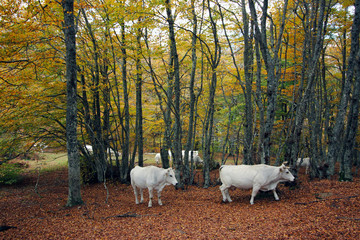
317,209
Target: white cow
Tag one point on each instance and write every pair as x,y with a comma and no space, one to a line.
40,146
197,160
195,153
110,151
305,162
158,157
196,157
89,149
258,177
151,177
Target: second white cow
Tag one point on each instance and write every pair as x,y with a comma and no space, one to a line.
151,177
258,177
158,157
303,162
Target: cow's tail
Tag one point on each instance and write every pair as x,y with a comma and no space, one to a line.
219,179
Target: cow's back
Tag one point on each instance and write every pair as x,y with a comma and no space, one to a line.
244,176
144,177
237,175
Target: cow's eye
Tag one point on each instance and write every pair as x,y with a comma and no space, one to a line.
170,175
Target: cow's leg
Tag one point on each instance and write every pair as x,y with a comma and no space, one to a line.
228,195
275,195
159,197
135,193
225,193
150,196
141,196
306,170
255,190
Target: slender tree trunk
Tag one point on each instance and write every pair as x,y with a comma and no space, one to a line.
353,114
309,74
271,65
259,103
98,145
166,111
74,197
334,146
126,128
248,66
208,126
139,126
189,140
174,74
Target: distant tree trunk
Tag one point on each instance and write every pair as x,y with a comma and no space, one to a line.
271,62
353,114
106,124
138,84
126,128
166,111
175,74
259,103
189,140
209,120
311,53
98,145
335,138
74,197
315,133
248,66
247,89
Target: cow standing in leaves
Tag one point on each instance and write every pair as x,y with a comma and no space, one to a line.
151,177
258,177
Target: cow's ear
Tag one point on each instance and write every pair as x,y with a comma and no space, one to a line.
282,167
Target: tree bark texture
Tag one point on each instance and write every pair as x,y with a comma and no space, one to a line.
335,138
175,75
74,197
189,139
139,121
209,121
353,114
271,64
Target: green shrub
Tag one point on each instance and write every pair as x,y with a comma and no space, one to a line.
10,173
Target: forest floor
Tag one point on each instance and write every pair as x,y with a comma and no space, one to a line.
318,209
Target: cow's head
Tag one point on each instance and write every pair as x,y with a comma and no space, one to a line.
170,176
285,173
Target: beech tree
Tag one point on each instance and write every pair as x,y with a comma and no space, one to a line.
74,197
352,78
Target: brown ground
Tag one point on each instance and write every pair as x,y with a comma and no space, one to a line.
325,209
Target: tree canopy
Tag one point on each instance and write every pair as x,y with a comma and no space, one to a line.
263,81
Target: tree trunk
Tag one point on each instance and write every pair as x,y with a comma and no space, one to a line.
138,83
248,66
271,65
174,74
74,197
209,121
334,146
353,114
126,128
189,140
98,145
